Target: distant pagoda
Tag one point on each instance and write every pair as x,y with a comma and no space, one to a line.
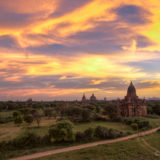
131,105
85,101
93,98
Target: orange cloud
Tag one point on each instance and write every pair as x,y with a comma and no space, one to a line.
102,41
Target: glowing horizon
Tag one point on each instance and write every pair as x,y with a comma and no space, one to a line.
60,49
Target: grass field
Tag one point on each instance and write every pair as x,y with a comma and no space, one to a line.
154,122
5,129
134,149
10,130
5,114
154,140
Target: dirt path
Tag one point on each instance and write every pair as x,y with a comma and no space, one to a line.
56,151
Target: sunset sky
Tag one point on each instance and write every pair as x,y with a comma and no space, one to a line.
60,49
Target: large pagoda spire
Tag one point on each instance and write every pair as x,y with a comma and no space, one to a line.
131,92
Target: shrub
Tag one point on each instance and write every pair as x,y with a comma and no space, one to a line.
118,119
15,114
48,112
112,133
29,139
143,124
80,136
76,114
37,117
62,131
18,120
111,111
89,133
46,139
86,115
134,126
128,121
101,132
28,119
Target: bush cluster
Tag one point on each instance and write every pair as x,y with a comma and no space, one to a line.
29,140
137,123
154,108
98,133
61,132
77,114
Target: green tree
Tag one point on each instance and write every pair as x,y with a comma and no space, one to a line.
37,117
15,114
89,133
86,115
18,120
101,132
62,131
48,112
134,126
156,109
111,111
28,118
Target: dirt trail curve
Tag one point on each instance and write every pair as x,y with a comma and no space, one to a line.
56,151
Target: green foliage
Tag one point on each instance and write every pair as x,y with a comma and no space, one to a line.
15,114
156,109
141,123
134,126
86,115
89,133
77,114
62,131
48,112
27,140
101,132
80,136
153,107
25,111
18,120
37,117
111,111
28,118
98,109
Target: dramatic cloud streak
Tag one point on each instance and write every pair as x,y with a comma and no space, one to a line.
63,48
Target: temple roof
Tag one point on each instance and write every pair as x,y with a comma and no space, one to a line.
131,90
93,97
84,97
